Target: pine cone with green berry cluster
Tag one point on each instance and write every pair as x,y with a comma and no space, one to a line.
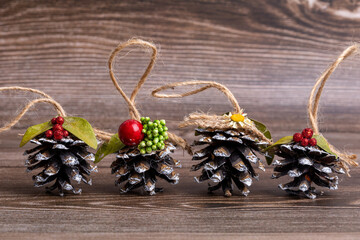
63,157
307,159
145,157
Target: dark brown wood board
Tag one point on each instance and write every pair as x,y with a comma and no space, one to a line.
269,53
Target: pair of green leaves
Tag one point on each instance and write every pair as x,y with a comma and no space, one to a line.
79,127
320,140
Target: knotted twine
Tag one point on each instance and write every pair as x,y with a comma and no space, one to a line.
134,113
204,120
346,160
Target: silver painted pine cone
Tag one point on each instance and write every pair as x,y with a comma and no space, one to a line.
135,170
64,161
227,159
306,165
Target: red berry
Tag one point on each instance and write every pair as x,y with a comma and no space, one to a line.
65,133
53,121
297,137
312,142
304,142
57,127
307,133
60,120
130,132
58,135
48,134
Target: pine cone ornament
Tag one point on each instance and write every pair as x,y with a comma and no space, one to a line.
228,157
63,157
231,140
143,147
141,170
143,155
304,161
307,157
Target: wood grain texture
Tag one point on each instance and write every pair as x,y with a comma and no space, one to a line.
269,54
161,236
182,208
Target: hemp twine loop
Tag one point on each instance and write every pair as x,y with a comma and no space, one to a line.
134,113
205,120
46,99
314,99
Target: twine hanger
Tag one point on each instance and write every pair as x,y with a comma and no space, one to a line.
314,99
46,99
210,84
205,120
133,111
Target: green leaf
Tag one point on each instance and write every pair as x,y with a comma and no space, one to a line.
112,146
270,151
270,154
81,129
284,140
33,131
323,144
262,128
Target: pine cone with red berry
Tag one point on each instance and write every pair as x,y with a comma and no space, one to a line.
308,160
143,155
62,156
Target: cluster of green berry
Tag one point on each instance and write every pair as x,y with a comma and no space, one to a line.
155,134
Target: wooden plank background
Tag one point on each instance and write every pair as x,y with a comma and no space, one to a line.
269,53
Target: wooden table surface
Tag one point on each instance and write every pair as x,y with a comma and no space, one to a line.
269,54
